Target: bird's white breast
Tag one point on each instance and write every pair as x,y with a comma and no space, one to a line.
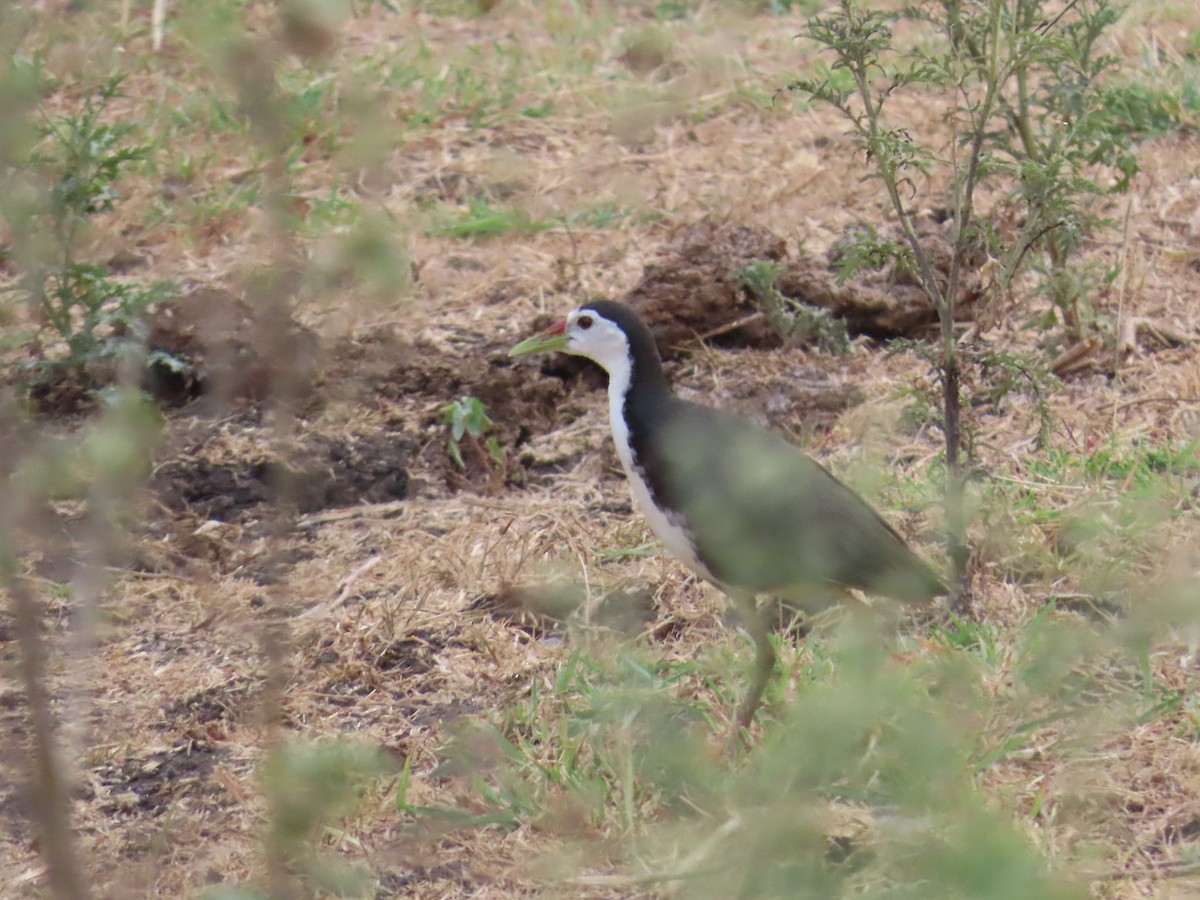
667,527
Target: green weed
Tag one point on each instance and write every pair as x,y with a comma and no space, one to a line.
1028,123
482,220
309,786
795,322
467,419
602,215
670,10
1157,98
470,91
1088,519
87,318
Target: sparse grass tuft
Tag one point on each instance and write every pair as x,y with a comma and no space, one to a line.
482,220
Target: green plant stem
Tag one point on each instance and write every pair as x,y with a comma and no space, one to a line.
955,487
956,518
943,301
1021,124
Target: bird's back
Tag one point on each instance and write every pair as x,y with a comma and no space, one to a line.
767,518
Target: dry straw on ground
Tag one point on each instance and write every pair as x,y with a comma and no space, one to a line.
386,605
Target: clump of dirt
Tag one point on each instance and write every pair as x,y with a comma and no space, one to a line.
511,393
406,657
412,876
358,366
208,343
151,784
323,471
414,654
183,549
805,395
692,292
519,402
535,608
212,490
215,344
222,702
67,391
874,307
885,301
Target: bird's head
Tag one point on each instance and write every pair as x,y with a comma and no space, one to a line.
584,332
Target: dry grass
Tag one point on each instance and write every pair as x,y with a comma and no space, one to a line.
164,720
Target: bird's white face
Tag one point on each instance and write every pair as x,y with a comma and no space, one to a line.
590,334
585,333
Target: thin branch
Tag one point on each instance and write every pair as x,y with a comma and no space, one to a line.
50,806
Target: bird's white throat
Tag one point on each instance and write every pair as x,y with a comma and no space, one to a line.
666,526
620,372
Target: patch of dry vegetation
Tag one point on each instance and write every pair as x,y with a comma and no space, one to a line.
452,174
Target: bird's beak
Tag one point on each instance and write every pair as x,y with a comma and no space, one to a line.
553,338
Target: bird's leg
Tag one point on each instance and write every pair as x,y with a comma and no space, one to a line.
764,659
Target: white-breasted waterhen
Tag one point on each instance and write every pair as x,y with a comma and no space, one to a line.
737,504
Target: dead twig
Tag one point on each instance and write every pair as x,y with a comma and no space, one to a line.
389,510
344,588
727,327
1135,327
1075,358
1144,401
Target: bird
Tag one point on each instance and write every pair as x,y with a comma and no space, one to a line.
737,504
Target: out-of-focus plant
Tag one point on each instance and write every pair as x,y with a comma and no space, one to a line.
310,785
864,785
84,317
1026,121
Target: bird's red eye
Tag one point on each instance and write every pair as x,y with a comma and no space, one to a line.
584,322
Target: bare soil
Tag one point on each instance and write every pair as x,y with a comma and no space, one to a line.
304,497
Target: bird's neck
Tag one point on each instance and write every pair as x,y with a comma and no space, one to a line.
637,393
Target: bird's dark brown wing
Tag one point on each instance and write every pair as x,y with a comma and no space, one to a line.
768,518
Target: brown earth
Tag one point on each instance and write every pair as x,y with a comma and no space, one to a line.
315,565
